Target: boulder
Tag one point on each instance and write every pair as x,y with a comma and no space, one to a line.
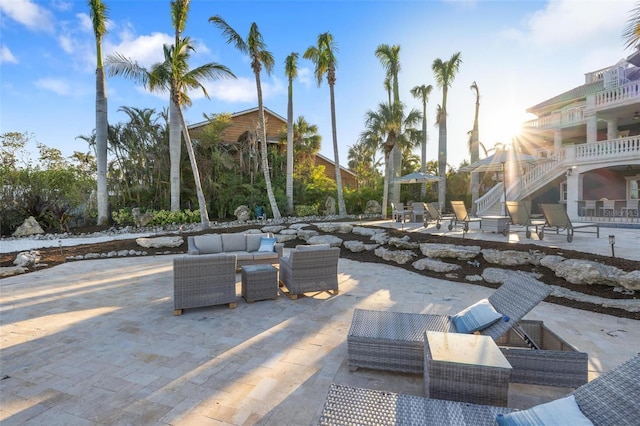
631,280
274,229
372,207
8,271
298,226
289,232
357,246
434,265
159,242
340,228
449,251
380,238
283,238
27,259
29,227
399,256
141,219
330,207
305,234
578,271
367,232
243,213
551,261
332,240
403,243
510,257
499,276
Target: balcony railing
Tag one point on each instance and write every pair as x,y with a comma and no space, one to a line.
621,148
619,95
565,118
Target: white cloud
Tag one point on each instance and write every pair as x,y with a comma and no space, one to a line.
306,77
54,85
146,50
85,23
29,14
568,23
6,56
242,89
66,43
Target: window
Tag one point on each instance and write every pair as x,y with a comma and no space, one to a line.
563,192
632,189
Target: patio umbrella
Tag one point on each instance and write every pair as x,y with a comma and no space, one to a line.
417,177
497,162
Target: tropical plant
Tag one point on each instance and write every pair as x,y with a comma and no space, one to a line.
323,57
631,32
390,124
99,16
255,47
175,76
291,71
474,151
422,92
389,57
445,72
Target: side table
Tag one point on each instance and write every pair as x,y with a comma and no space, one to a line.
259,282
499,224
465,367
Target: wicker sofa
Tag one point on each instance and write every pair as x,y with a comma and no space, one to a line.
310,268
203,281
246,247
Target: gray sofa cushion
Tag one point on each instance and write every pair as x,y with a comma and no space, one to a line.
312,247
253,241
208,244
259,255
234,242
241,255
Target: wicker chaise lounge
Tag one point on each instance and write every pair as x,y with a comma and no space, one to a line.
610,399
394,341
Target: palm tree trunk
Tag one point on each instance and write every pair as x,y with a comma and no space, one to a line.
289,184
174,154
423,152
101,147
202,203
442,162
385,187
263,149
342,210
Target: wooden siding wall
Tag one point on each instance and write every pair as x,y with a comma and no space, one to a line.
249,122
330,171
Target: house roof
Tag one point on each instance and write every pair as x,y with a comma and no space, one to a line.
569,96
239,113
332,162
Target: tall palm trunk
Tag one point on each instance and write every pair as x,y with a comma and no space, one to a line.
263,150
342,210
289,183
423,149
202,203
442,152
175,131
385,189
101,146
475,153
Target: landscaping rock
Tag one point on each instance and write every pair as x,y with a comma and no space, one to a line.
510,257
242,213
631,281
499,276
372,207
27,259
274,229
332,240
435,265
403,243
551,261
8,271
367,232
159,242
449,251
588,272
305,234
380,238
283,238
340,228
399,256
357,246
29,227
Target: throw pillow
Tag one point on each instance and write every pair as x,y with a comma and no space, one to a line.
267,244
476,317
564,411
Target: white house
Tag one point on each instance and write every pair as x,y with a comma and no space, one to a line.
589,137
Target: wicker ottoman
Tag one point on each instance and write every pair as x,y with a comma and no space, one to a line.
259,282
465,367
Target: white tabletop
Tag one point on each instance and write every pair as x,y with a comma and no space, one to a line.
460,348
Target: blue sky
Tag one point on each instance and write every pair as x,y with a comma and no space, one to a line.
520,53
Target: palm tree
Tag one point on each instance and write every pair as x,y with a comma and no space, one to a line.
324,59
306,144
291,70
98,13
389,57
389,124
255,47
445,72
474,150
422,92
631,32
174,75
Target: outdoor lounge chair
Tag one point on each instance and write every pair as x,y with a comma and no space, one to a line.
394,341
556,218
204,280
310,268
609,399
433,210
461,215
520,215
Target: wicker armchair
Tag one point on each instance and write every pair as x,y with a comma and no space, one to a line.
203,280
610,399
310,268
